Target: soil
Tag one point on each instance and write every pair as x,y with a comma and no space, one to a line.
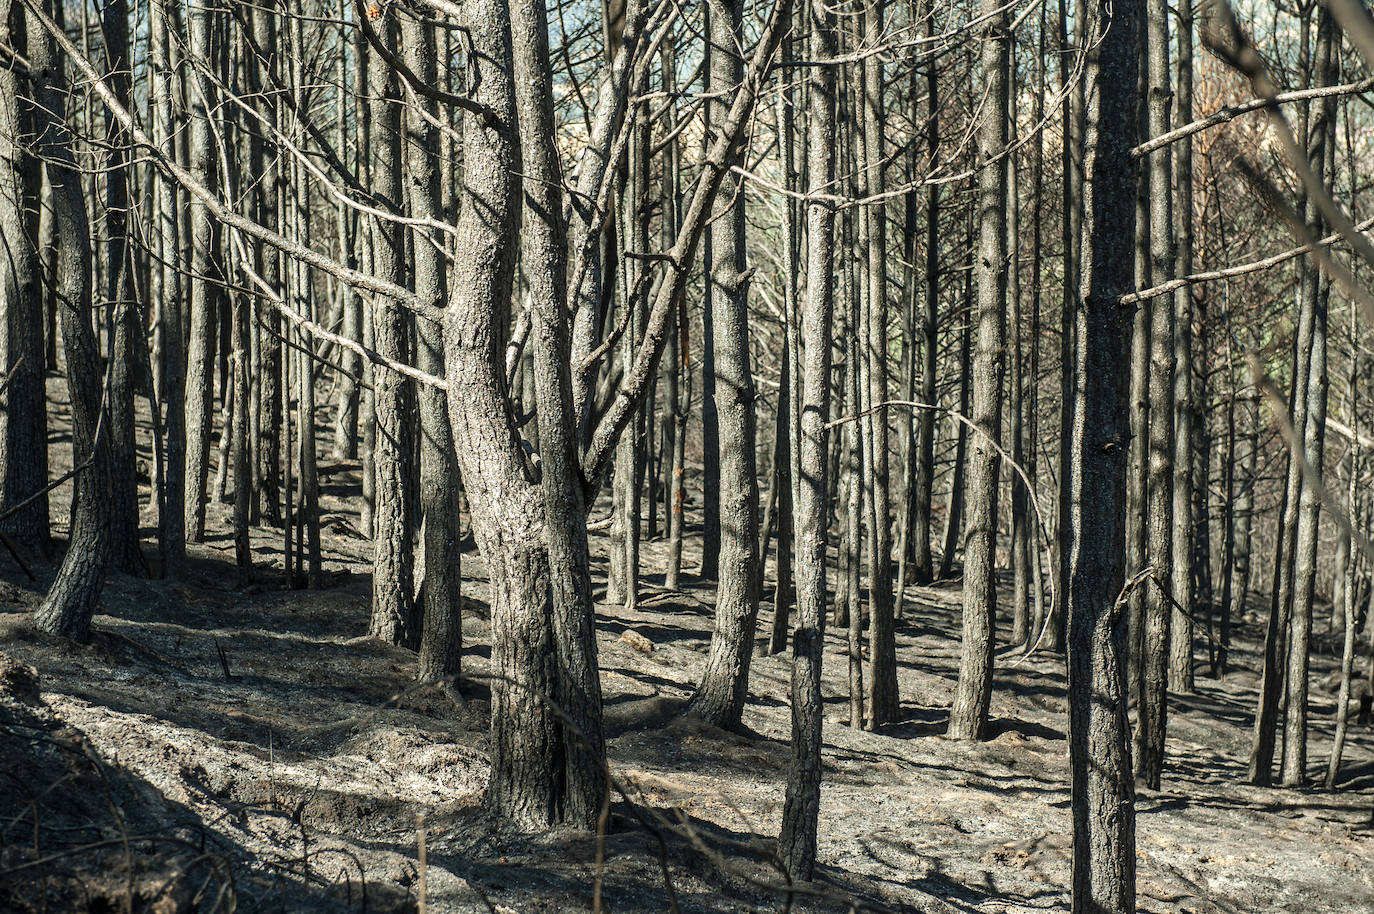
224,746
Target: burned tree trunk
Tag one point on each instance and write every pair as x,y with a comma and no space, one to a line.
719,698
70,602
801,810
1099,748
24,416
393,399
969,715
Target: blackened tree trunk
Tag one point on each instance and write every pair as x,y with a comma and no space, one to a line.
1244,510
853,519
267,161
122,290
172,517
24,416
70,602
710,417
922,564
969,714
1138,471
783,458
1017,386
1099,749
719,699
350,363
1070,107
884,706
954,502
801,808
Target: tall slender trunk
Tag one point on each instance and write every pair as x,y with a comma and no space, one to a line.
954,505
1185,455
969,714
172,517
270,166
1314,294
1138,470
1037,189
24,416
710,418
801,808
1070,112
853,521
789,377
350,363
1160,533
922,564
676,373
122,291
206,280
680,370
392,569
622,584
307,453
1346,570
719,698
884,707
441,636
1265,734
70,601
1244,512
1017,387
1103,794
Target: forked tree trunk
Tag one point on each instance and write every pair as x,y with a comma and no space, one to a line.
562,508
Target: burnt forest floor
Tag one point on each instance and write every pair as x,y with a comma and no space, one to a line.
222,746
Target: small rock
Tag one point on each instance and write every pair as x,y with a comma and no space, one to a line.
637,641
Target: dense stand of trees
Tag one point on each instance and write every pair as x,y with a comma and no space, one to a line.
954,287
